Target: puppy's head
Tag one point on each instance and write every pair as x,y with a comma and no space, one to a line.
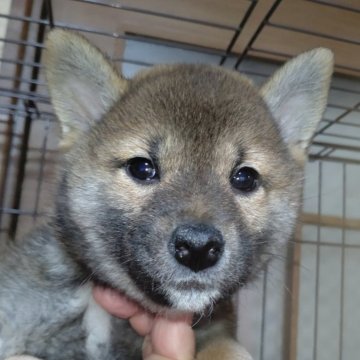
179,183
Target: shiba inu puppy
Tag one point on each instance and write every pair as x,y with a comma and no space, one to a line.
175,187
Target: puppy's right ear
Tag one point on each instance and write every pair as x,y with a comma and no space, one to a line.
83,84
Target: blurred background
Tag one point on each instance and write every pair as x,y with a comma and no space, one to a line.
305,306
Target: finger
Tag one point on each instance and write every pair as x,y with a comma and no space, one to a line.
114,302
158,357
142,322
172,338
147,349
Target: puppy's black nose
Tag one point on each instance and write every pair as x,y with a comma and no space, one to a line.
197,246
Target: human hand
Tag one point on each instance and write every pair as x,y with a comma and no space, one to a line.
165,338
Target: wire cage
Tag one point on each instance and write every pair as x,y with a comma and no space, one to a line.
305,305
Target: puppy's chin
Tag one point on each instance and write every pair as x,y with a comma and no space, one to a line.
192,300
176,300
181,301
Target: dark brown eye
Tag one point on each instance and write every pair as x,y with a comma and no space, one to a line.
142,169
245,179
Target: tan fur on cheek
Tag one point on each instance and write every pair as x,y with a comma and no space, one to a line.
125,192
223,349
254,209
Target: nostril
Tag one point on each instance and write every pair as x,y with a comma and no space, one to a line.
182,251
213,250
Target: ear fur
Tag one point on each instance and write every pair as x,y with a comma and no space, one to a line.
83,84
296,96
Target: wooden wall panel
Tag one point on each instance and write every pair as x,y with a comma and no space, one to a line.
257,16
350,4
109,20
298,25
318,18
330,221
264,55
176,30
225,12
290,43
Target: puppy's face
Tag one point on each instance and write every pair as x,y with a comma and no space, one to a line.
179,183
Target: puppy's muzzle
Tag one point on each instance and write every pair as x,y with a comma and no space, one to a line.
196,246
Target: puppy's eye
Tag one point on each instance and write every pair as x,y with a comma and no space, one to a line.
141,169
245,179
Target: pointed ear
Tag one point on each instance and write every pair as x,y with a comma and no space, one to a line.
83,84
296,96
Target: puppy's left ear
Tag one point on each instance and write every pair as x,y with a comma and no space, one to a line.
296,96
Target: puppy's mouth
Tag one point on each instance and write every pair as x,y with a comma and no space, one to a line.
180,296
190,285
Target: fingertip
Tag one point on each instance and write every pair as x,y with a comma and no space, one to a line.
173,338
142,322
114,302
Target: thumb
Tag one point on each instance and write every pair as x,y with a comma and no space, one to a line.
170,339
